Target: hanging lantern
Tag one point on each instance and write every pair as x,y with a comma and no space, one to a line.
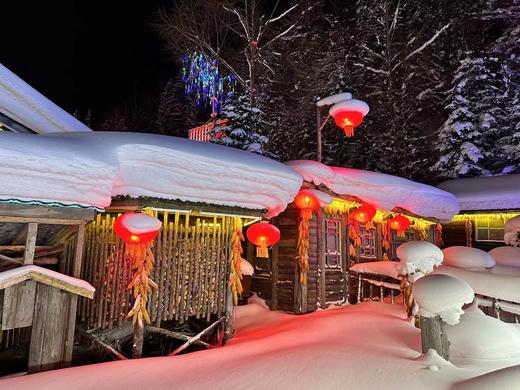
263,234
399,223
364,214
305,200
136,228
349,114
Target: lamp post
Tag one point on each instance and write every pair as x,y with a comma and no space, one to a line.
348,113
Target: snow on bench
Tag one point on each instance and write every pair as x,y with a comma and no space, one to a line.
383,268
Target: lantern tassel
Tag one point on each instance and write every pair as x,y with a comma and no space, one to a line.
349,131
261,251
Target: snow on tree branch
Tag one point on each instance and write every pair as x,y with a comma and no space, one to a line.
374,70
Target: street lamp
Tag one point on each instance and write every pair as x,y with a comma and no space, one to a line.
348,113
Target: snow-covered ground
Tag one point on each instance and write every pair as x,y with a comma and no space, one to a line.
365,346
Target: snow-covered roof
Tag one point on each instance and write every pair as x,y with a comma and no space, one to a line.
90,168
25,105
486,193
381,190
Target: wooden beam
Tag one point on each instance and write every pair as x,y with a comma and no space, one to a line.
21,248
11,260
64,233
30,243
43,221
46,212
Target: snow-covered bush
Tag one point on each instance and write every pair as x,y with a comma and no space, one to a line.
467,258
506,255
442,295
512,231
418,258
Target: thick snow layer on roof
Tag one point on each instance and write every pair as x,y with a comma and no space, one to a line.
22,103
381,190
90,168
442,295
486,193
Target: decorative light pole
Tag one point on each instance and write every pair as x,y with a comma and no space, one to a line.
348,113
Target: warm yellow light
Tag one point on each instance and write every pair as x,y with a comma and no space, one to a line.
134,238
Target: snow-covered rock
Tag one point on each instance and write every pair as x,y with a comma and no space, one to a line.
486,193
512,231
22,103
481,337
381,190
467,257
418,258
442,295
90,168
246,268
506,255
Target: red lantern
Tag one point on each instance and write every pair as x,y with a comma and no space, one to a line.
136,228
349,114
364,213
306,201
399,223
263,234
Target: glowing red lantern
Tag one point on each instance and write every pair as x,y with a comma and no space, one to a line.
263,234
399,223
306,201
364,213
136,228
349,114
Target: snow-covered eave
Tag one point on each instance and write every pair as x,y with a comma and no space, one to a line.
25,105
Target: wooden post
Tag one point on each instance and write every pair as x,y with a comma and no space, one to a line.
274,277
321,257
229,329
73,298
30,243
318,134
137,346
434,335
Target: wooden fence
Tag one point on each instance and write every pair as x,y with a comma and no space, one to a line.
191,270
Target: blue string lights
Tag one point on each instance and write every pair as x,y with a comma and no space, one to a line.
202,79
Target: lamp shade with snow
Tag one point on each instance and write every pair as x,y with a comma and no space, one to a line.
306,201
364,213
349,114
263,234
442,295
399,223
136,228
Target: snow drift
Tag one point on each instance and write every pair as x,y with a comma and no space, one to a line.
506,255
88,169
418,257
467,257
22,103
384,191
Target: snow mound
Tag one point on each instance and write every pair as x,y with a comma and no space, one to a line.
486,193
381,190
246,268
418,257
22,103
467,257
442,295
505,378
89,169
433,361
512,231
139,223
481,337
506,255
384,268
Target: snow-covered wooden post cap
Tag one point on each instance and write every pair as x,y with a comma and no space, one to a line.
438,301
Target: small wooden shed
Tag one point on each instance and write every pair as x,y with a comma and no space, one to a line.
277,280
486,204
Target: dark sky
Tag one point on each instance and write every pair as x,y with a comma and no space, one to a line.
86,53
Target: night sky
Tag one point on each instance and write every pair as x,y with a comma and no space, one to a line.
86,54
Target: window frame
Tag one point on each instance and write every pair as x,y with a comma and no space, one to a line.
477,223
337,254
367,232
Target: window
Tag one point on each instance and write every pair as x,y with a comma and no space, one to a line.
368,242
333,243
489,229
409,235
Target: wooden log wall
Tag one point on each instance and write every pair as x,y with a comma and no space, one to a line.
191,269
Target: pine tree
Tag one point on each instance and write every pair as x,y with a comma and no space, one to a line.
244,129
176,112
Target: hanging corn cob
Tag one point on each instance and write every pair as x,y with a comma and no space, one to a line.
438,235
235,276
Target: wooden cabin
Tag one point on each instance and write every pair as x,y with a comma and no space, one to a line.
341,190
486,204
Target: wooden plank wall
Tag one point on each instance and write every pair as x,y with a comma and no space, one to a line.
454,234
191,269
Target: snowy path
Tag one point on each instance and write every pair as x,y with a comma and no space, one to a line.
366,346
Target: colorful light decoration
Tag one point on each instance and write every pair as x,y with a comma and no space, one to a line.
263,234
202,79
399,223
364,214
349,114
